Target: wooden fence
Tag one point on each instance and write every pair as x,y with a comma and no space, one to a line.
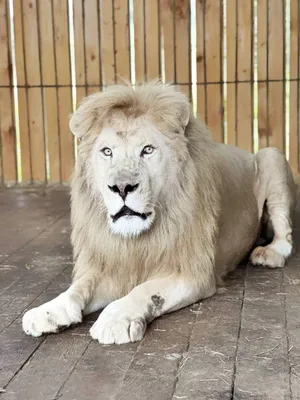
238,60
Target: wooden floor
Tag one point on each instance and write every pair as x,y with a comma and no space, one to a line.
244,344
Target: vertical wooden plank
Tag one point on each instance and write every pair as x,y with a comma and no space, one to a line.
214,107
52,132
22,93
139,39
63,67
24,136
201,98
262,370
36,128
182,46
276,72
167,38
79,44
262,42
48,69
152,40
7,142
244,73
92,44
121,40
244,117
8,171
294,85
66,138
107,43
33,78
231,105
81,94
213,64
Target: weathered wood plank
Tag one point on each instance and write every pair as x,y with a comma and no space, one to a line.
231,61
294,86
121,32
8,163
244,73
262,369
107,43
28,223
108,363
208,369
152,40
63,67
167,22
154,368
48,71
55,357
276,54
201,98
262,45
18,349
213,65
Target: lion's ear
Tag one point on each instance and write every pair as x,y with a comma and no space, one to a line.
85,116
81,121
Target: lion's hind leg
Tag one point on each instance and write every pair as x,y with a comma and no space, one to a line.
276,182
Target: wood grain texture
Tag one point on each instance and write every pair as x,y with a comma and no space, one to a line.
8,167
24,136
276,104
200,61
92,43
262,362
167,23
213,66
78,21
241,344
244,73
66,137
139,40
49,77
36,132
262,43
122,40
107,43
294,86
231,106
152,40
182,43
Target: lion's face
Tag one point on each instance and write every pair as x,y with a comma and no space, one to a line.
133,168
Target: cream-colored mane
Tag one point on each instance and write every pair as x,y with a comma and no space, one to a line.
192,214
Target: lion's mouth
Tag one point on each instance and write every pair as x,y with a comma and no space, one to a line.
126,211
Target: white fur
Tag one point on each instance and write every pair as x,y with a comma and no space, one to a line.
58,313
207,202
125,319
127,166
282,247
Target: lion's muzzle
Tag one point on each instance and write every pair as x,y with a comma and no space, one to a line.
126,211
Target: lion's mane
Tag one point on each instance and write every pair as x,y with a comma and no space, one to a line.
183,236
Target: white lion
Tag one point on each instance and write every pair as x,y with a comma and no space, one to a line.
160,212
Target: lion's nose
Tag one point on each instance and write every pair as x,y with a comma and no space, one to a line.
123,189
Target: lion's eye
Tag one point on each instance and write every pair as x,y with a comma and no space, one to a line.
147,150
106,151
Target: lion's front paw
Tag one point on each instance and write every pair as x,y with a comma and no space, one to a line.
115,325
267,257
52,317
